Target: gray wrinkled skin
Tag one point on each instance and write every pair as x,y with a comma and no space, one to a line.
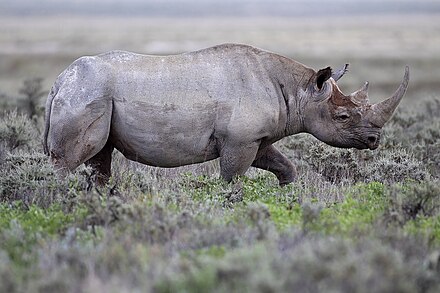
229,101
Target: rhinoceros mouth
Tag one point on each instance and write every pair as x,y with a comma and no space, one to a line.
370,143
362,145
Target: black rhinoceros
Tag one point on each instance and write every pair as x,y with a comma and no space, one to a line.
229,101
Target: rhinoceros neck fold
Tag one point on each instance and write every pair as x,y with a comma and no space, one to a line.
295,117
295,76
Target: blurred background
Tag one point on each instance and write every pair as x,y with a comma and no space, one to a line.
39,39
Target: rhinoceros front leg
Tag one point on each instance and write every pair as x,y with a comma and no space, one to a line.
235,159
272,160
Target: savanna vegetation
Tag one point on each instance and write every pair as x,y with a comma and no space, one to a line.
354,221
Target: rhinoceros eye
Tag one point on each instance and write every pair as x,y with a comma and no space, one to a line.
343,116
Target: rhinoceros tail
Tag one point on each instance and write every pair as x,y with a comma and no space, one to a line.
47,111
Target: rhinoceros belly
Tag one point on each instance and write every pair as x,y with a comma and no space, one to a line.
164,135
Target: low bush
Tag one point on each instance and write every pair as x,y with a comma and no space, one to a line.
17,131
414,201
354,221
28,177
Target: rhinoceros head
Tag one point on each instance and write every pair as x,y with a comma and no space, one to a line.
346,120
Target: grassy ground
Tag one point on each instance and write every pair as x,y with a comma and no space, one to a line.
354,221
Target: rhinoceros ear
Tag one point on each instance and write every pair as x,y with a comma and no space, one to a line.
322,76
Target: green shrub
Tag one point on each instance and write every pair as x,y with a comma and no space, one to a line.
303,264
391,166
414,201
22,227
34,219
17,131
334,164
29,177
348,165
418,133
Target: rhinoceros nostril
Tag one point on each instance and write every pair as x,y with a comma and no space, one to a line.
372,139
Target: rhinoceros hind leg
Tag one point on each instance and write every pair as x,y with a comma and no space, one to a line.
272,160
235,160
76,135
101,164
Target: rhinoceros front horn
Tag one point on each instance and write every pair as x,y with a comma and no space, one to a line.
382,112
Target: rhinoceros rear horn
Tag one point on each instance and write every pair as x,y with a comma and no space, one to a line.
383,111
360,97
